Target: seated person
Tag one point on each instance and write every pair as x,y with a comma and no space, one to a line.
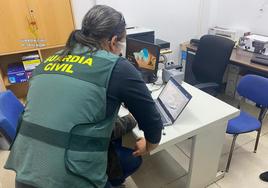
121,161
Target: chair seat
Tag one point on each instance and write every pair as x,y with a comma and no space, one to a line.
243,123
209,87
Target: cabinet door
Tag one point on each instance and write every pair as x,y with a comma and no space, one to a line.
54,20
15,34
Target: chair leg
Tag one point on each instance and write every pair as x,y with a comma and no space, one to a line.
231,153
257,140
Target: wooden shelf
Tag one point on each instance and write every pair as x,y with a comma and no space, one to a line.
19,52
23,100
32,50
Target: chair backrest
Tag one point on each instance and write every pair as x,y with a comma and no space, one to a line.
254,88
10,111
211,58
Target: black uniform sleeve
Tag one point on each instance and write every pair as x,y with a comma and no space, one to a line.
126,85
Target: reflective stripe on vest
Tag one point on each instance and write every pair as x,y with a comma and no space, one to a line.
62,139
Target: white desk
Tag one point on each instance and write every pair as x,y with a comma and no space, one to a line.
204,120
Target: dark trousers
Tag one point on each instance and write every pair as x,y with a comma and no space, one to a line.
128,162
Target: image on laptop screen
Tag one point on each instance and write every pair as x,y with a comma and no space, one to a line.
174,98
145,57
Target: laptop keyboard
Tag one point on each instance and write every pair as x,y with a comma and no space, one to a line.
163,118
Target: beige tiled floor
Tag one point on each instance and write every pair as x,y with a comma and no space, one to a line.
162,170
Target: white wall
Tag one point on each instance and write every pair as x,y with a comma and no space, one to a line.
80,8
174,21
208,15
178,21
243,14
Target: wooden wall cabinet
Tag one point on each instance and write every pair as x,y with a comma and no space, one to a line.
31,27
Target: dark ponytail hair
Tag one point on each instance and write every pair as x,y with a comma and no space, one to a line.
99,24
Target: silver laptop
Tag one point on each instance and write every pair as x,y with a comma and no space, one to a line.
172,101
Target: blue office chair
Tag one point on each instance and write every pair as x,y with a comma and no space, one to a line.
210,62
254,88
10,111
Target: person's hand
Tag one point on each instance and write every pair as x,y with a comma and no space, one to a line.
140,148
143,147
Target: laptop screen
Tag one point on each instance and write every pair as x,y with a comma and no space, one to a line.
173,99
145,57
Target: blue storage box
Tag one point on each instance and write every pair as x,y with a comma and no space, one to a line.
16,73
